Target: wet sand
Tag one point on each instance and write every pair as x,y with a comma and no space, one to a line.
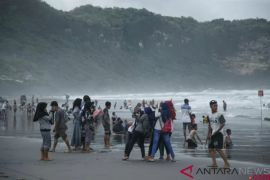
19,155
19,160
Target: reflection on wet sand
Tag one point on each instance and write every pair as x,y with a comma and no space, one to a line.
251,143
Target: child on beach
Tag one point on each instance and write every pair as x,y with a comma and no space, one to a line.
191,139
228,141
45,122
192,118
60,125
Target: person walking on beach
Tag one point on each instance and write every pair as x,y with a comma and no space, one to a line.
89,125
216,125
60,125
163,129
185,117
141,128
45,122
224,106
107,125
76,136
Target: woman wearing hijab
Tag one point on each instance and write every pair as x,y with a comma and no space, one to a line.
45,122
76,137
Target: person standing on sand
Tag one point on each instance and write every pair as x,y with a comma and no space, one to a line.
60,125
76,140
45,122
163,129
216,125
89,124
224,106
86,99
106,122
15,107
185,117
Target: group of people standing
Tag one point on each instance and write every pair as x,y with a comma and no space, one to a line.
155,123
86,118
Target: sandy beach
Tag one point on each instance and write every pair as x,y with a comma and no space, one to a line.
20,141
19,160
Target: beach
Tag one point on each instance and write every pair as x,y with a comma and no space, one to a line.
20,143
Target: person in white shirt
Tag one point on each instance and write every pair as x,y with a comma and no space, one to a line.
216,125
185,117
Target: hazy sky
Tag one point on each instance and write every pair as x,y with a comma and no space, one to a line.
201,10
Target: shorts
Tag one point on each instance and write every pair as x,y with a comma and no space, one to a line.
46,140
216,141
60,133
191,144
107,129
107,132
187,125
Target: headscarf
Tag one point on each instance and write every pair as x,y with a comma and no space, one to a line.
40,111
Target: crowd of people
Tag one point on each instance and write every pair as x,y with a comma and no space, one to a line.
151,121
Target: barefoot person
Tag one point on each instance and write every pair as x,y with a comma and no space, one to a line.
45,122
60,125
76,140
191,139
216,124
185,117
89,125
107,125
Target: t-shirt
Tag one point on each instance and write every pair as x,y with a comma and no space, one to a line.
185,110
159,123
216,119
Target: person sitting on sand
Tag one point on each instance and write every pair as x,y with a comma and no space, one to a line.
114,118
45,122
191,140
118,127
60,125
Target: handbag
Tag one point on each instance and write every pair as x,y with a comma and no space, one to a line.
167,128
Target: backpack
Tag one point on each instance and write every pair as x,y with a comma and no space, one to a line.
171,109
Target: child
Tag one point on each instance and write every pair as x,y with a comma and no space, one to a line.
191,140
228,141
192,118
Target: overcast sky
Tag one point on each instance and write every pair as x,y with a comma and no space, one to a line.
201,10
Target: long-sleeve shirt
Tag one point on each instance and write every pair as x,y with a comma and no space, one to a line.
45,122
